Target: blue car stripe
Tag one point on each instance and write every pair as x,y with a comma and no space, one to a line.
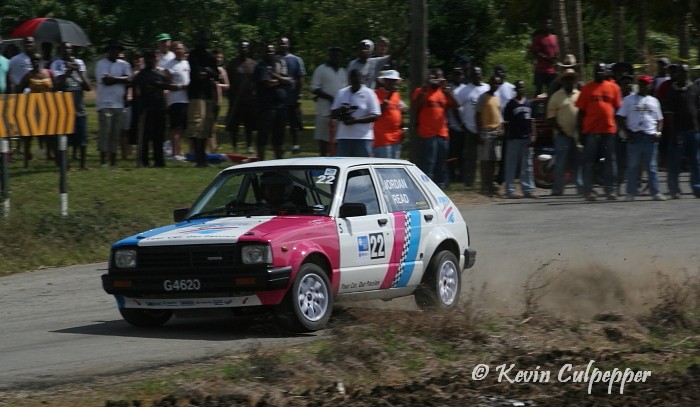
134,240
413,234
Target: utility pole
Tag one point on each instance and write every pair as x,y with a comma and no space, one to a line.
418,67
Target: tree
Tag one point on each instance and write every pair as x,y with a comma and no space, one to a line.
641,30
618,36
575,13
561,27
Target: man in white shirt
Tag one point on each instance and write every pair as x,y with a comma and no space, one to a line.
20,64
356,108
164,54
467,98
641,117
326,81
112,76
178,101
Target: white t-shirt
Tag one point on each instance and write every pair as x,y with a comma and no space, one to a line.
370,69
467,97
329,81
505,93
20,64
163,59
179,75
111,96
367,103
642,113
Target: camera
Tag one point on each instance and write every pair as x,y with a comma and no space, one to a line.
346,111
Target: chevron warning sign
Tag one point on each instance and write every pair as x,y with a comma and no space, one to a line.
37,114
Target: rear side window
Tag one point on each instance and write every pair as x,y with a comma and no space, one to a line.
399,190
360,189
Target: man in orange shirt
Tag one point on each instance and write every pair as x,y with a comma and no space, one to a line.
597,104
387,129
430,103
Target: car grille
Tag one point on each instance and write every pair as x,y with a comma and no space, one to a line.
188,258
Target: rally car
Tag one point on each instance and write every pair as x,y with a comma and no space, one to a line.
293,236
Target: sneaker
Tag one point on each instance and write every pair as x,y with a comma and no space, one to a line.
591,196
531,195
675,195
629,198
513,195
611,196
659,197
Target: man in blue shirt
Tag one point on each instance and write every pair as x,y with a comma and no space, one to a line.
518,118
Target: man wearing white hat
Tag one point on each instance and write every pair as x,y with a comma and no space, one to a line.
387,129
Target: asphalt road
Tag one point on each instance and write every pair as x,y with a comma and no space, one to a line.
59,326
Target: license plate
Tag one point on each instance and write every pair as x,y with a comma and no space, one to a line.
189,284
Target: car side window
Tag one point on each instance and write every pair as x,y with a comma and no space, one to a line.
399,190
360,189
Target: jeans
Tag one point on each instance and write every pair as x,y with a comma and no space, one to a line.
518,152
642,148
353,148
434,160
591,151
390,151
689,146
566,155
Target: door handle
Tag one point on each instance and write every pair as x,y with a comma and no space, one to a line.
382,222
428,217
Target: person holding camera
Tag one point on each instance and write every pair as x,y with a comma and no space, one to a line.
71,76
356,108
431,104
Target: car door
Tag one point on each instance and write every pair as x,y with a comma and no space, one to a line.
364,239
413,222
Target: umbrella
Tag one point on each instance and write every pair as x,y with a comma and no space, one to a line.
52,30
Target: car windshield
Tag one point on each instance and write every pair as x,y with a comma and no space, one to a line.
268,191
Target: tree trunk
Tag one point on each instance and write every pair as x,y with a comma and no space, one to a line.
642,30
558,12
577,40
618,32
684,26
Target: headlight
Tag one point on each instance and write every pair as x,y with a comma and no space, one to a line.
125,259
256,254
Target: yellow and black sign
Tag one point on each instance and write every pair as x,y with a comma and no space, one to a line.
37,114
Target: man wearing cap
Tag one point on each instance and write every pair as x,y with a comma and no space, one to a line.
242,98
597,103
112,75
640,116
370,68
562,115
681,107
164,53
327,80
387,129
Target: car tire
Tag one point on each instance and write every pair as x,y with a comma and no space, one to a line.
308,305
145,318
441,283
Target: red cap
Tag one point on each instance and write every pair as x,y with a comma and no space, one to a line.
645,79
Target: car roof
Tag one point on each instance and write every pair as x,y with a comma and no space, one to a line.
340,162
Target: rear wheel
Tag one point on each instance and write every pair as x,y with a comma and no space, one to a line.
145,318
308,305
441,284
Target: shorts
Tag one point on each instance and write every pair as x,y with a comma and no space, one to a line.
110,120
323,128
200,118
177,112
490,147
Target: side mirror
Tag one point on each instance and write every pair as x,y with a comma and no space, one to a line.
179,214
349,210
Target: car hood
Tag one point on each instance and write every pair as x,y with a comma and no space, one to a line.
223,230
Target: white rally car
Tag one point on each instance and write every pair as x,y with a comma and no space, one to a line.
292,236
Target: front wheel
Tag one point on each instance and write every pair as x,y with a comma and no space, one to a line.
441,284
308,305
145,318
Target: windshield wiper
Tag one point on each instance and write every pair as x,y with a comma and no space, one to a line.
233,208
